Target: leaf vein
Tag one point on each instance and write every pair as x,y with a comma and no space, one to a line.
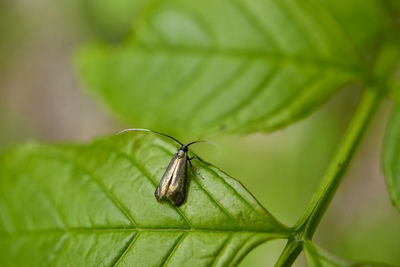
196,19
299,21
277,58
185,85
293,97
252,18
222,248
123,229
175,248
7,206
121,256
50,201
57,249
69,160
144,173
337,30
247,101
234,190
218,90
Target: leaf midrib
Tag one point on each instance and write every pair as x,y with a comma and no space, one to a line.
250,54
263,31
132,229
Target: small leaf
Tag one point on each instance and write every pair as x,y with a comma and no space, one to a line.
92,205
195,67
391,157
316,257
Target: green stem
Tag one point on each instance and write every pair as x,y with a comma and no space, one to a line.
289,253
308,223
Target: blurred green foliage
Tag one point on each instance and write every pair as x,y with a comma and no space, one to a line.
111,20
317,257
391,160
247,66
281,61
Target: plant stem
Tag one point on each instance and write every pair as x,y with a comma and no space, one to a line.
308,223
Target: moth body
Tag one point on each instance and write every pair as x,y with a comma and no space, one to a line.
173,182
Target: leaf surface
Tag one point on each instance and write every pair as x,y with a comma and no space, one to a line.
317,257
391,157
197,67
94,204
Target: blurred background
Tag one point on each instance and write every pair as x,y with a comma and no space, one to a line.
41,98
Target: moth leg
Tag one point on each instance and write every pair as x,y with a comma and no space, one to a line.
194,157
190,163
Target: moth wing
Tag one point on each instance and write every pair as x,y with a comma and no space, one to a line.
162,188
177,188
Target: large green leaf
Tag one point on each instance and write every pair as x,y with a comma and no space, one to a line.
195,67
94,205
317,257
391,157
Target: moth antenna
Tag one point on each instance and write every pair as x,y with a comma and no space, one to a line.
204,141
194,142
147,130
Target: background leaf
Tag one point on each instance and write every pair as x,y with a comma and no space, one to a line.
391,157
316,257
260,66
111,19
94,205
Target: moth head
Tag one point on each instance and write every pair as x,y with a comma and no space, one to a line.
181,153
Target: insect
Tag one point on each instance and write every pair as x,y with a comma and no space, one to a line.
173,182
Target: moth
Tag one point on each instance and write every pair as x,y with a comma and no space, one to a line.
173,182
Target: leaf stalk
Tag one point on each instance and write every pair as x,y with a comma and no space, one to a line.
308,223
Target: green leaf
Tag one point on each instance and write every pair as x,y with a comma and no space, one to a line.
197,67
112,18
92,205
316,257
391,157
